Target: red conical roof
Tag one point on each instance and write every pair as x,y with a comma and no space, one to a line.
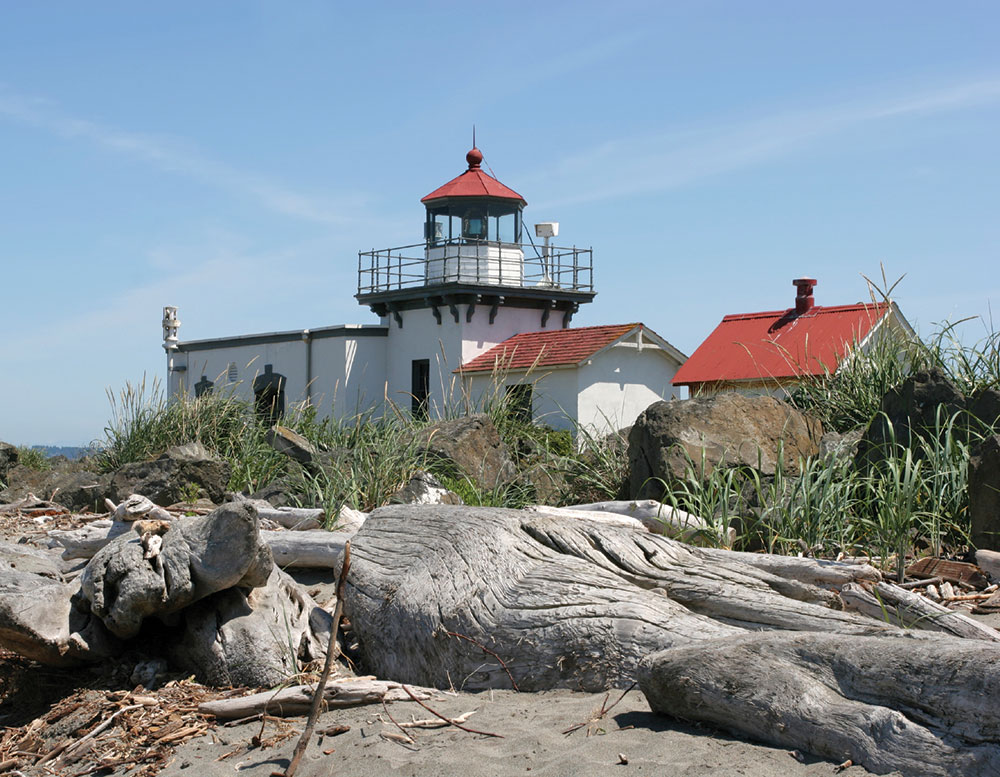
474,183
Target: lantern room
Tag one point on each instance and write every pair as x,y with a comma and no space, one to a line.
472,208
472,255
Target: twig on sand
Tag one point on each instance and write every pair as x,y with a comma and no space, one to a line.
317,699
409,738
454,723
486,650
604,710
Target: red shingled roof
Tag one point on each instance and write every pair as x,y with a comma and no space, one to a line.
780,344
548,348
474,183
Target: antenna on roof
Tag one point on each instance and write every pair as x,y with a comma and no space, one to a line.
473,135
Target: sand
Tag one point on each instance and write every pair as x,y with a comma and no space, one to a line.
533,743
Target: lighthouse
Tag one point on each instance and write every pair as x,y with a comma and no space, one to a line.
481,305
471,284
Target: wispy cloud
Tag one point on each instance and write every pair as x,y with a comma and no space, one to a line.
668,160
173,157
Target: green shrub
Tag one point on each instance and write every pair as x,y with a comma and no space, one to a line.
33,458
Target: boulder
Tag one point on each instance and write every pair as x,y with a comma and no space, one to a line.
78,490
8,458
727,429
984,493
424,489
468,447
257,637
174,476
124,584
916,406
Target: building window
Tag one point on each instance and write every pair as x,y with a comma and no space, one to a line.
420,387
518,400
232,375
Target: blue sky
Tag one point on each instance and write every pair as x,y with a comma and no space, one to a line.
232,158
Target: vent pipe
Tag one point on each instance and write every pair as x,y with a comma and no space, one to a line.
804,296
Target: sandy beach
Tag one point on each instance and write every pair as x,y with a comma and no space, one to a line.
532,743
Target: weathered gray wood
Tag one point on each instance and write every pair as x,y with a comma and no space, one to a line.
317,548
563,602
87,540
339,692
294,518
806,570
655,516
923,705
199,557
257,637
909,610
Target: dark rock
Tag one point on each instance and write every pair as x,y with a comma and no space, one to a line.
468,447
78,490
840,445
728,429
180,473
913,406
8,458
548,483
424,489
984,493
920,405
292,444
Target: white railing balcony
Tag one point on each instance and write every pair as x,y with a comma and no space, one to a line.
473,263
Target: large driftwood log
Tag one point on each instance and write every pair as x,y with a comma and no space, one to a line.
922,705
339,692
256,637
909,610
562,602
124,584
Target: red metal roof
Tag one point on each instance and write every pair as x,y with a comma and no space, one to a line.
779,344
474,183
548,348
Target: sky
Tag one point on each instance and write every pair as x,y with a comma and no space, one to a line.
232,158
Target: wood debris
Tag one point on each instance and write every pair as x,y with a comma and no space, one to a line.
93,730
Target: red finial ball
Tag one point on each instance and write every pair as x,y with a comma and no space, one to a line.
474,158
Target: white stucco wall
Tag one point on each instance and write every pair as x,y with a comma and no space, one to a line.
347,371
607,394
621,382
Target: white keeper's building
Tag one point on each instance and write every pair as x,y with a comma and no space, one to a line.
469,310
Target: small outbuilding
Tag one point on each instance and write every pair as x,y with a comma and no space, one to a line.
771,351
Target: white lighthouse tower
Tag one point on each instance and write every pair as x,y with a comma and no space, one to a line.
470,285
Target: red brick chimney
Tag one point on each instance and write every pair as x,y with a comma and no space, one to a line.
804,296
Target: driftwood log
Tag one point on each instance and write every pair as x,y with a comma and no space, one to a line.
317,548
479,597
907,609
923,705
564,602
296,700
